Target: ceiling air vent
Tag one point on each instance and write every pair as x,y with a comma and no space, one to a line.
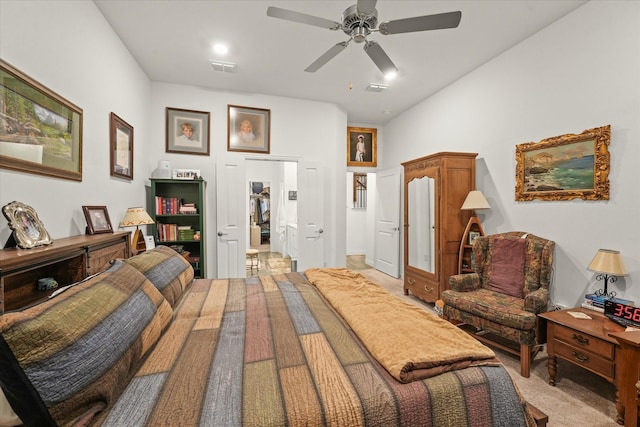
376,87
225,67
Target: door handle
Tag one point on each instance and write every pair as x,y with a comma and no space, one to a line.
220,233
320,231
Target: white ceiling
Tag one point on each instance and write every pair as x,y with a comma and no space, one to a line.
172,39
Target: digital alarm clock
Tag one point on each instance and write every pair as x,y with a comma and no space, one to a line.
624,314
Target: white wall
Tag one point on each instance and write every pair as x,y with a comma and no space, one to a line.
579,73
300,130
68,47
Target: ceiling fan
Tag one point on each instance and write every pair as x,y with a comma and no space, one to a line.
360,20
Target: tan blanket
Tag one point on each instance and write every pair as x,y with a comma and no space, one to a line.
409,342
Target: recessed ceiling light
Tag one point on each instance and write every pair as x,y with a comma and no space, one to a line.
220,49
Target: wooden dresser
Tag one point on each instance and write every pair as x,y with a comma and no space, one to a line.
67,260
435,187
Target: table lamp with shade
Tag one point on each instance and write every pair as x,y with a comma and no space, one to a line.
608,264
135,217
475,201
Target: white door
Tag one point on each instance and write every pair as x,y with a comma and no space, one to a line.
231,212
387,241
311,205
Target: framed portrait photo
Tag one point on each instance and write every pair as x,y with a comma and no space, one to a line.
187,131
473,235
97,219
248,129
121,147
41,131
28,230
361,147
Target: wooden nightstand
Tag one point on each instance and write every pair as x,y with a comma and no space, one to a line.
585,343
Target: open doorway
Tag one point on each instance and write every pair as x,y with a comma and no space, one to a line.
272,213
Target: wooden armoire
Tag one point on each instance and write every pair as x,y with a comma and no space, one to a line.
435,187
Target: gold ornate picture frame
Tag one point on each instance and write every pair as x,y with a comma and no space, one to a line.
28,230
362,147
565,167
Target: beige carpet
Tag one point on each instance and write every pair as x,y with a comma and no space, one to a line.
579,398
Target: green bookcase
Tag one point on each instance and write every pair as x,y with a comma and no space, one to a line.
178,210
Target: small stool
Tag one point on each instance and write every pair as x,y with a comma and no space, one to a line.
252,255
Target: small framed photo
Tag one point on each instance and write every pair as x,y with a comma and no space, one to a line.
187,131
293,195
473,235
248,129
97,219
121,147
186,174
28,230
361,147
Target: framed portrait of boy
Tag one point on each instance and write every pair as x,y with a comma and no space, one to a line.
187,131
361,147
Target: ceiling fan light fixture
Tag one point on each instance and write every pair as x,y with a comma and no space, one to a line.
391,75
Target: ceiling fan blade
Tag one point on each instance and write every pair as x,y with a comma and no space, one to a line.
303,18
379,57
439,21
366,6
326,57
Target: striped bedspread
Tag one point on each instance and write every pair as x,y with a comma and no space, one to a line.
270,351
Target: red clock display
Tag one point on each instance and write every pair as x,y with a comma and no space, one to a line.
627,313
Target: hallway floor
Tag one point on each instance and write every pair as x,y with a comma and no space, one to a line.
273,263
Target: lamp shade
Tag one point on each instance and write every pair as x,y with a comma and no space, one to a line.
135,217
608,261
475,200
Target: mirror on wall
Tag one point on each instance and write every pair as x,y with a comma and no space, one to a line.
422,223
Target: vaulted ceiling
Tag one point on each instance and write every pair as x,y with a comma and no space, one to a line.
172,41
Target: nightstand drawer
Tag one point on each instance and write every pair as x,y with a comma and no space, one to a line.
587,343
585,358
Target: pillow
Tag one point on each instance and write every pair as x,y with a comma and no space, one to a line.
66,359
507,266
169,271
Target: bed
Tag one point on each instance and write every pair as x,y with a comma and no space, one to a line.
262,351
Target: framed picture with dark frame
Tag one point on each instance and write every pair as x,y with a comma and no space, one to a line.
121,147
248,129
42,131
187,131
361,147
28,230
565,167
97,219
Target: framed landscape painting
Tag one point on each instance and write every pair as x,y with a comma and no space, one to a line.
565,167
361,147
41,131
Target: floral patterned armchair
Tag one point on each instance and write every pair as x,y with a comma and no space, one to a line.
509,288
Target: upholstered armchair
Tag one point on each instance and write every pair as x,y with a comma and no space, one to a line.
502,299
